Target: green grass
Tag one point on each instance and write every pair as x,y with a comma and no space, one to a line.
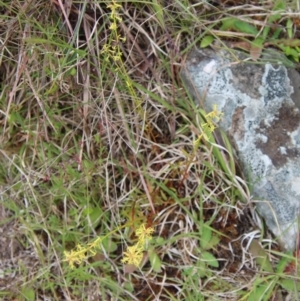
89,143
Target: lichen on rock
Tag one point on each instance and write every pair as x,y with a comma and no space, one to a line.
260,102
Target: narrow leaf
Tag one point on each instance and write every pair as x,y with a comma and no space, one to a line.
256,48
158,11
276,33
284,263
265,32
213,242
289,28
28,293
95,216
245,27
261,256
274,18
201,269
228,24
205,237
279,5
206,41
154,261
109,245
210,259
290,285
260,292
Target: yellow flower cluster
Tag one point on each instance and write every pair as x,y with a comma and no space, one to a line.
80,253
134,254
112,50
209,126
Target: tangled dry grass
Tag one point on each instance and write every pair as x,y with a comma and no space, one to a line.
86,146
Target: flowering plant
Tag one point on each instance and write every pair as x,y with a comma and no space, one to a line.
133,255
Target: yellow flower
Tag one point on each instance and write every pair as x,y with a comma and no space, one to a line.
117,57
93,246
113,26
133,255
209,126
197,141
144,234
105,49
214,114
80,253
75,256
114,6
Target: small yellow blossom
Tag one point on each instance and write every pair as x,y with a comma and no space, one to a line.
197,141
122,39
75,256
133,255
113,26
118,18
117,57
144,233
209,126
113,6
93,246
80,253
214,114
105,49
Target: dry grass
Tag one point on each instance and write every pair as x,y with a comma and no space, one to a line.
82,153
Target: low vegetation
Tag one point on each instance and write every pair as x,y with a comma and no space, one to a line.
113,182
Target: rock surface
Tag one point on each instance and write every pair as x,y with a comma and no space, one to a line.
260,102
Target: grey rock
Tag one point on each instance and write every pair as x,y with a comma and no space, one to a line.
260,102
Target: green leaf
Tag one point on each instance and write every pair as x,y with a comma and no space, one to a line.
276,33
258,42
228,146
289,28
288,50
290,285
53,88
228,23
62,45
293,53
245,27
158,241
265,32
206,41
213,242
290,42
261,256
95,216
279,5
260,292
28,293
128,286
274,18
154,261
158,11
210,259
256,48
72,71
109,245
282,264
205,237
201,269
